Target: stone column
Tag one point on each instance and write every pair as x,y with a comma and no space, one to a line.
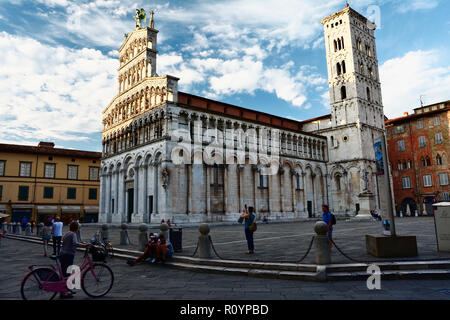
136,190
121,197
102,209
146,217
208,189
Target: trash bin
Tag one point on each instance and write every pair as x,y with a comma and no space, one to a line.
175,236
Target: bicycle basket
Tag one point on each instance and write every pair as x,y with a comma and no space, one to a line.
98,254
47,274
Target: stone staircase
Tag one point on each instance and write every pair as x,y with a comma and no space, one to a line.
433,269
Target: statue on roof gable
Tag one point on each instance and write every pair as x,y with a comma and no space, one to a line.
140,15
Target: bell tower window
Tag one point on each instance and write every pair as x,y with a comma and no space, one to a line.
343,93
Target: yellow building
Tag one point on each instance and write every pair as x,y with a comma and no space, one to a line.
42,181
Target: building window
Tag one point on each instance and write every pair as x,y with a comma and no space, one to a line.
2,167
406,182
427,180
438,138
445,196
49,170
93,173
263,181
25,169
1,192
422,142
439,161
337,180
93,194
23,193
400,165
72,172
71,193
343,93
422,162
399,129
428,161
401,145
419,124
48,192
338,68
298,181
437,121
344,70
443,179
409,164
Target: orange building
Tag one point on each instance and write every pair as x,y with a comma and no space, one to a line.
36,182
418,148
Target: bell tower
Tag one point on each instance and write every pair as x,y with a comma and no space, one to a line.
137,56
354,82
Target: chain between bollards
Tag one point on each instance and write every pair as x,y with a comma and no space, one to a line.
307,251
214,249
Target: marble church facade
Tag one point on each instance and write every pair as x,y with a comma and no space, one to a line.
173,155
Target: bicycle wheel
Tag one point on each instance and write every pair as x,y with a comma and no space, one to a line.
97,281
32,286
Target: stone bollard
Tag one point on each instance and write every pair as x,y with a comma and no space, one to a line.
39,228
204,245
143,237
28,229
322,244
10,228
18,228
124,239
164,229
105,233
79,232
4,227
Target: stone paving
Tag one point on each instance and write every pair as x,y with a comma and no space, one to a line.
277,242
156,282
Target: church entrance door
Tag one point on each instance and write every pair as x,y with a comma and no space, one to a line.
130,202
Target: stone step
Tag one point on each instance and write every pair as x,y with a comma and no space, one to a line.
304,272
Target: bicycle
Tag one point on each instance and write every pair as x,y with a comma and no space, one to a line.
44,282
107,246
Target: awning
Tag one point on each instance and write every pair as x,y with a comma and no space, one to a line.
47,209
3,215
91,209
3,207
22,206
70,209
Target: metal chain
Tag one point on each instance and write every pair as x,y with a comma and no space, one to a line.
195,251
214,249
307,251
346,256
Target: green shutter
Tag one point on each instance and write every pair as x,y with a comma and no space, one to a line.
92,194
23,193
71,193
48,192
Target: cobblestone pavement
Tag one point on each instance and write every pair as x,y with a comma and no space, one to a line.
147,281
289,241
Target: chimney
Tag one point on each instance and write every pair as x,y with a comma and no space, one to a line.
43,144
405,114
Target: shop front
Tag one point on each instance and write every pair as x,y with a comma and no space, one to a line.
45,212
21,210
70,213
90,214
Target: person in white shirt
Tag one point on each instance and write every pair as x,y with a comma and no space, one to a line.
57,235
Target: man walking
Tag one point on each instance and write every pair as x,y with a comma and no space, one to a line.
327,217
57,235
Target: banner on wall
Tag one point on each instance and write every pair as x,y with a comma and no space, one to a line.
379,156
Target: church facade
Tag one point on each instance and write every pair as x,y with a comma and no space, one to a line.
173,155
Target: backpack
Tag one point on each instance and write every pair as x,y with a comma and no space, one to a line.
333,219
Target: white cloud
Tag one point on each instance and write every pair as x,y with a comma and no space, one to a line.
414,5
416,73
52,92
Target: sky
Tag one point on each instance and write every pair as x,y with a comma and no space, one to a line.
59,58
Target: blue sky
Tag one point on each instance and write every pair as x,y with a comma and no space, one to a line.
58,67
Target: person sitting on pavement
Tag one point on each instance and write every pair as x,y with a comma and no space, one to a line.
164,249
149,252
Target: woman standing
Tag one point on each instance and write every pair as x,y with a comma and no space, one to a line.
249,218
46,234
